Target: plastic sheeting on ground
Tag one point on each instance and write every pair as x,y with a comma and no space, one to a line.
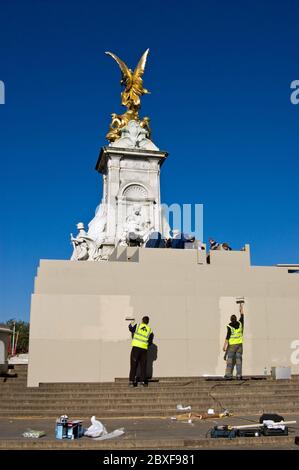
98,431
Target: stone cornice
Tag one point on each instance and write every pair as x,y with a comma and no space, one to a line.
106,152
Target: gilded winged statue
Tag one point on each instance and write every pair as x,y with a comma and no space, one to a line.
130,97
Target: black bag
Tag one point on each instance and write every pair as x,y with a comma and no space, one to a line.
223,431
252,432
271,416
275,432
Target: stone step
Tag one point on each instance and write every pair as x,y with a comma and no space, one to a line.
195,405
130,394
122,385
166,412
231,388
146,444
116,399
21,370
147,399
144,398
200,385
112,391
11,380
149,391
157,392
154,391
256,378
87,413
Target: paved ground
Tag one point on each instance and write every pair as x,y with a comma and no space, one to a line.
156,432
19,359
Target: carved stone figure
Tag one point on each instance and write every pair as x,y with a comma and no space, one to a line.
97,226
133,135
136,229
85,248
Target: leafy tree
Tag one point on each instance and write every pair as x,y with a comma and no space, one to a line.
23,337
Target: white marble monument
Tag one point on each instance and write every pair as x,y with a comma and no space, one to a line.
130,208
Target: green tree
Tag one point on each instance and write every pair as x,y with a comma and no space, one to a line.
22,328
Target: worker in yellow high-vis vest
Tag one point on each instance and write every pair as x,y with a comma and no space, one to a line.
142,337
233,345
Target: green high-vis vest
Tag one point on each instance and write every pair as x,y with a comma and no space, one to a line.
141,336
236,336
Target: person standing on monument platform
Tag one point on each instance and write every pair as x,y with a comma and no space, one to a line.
233,345
213,244
142,337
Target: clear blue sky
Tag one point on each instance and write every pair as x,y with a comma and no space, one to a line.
220,75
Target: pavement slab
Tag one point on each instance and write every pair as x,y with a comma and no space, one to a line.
144,433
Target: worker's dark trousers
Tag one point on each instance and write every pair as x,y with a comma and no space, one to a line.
138,356
234,358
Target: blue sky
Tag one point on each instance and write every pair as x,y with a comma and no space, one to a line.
219,74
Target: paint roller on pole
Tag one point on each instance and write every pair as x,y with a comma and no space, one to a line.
239,301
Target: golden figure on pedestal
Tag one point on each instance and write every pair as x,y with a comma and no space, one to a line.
130,97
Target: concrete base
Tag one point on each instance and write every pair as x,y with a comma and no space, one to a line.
78,331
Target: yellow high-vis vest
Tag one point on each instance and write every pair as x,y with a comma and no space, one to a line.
236,336
141,336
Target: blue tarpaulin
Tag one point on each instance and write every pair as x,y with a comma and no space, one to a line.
155,241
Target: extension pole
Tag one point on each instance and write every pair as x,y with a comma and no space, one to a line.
259,425
13,338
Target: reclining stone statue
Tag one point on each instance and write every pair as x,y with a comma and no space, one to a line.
85,248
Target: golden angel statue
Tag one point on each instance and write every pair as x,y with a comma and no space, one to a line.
130,97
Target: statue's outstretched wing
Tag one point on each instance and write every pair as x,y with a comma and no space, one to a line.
123,67
139,70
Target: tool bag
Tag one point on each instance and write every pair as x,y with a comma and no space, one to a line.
252,432
275,432
223,431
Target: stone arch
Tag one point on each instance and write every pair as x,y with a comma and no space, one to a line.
134,191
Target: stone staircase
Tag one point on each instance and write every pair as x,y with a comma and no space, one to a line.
116,399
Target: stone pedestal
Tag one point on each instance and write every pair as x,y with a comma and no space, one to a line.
131,195
79,332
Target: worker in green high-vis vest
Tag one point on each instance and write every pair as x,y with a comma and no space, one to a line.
233,345
142,337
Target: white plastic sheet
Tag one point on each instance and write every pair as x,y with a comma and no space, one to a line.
98,431
273,425
111,435
183,408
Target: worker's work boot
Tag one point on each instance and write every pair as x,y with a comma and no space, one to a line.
145,384
132,384
239,377
228,377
